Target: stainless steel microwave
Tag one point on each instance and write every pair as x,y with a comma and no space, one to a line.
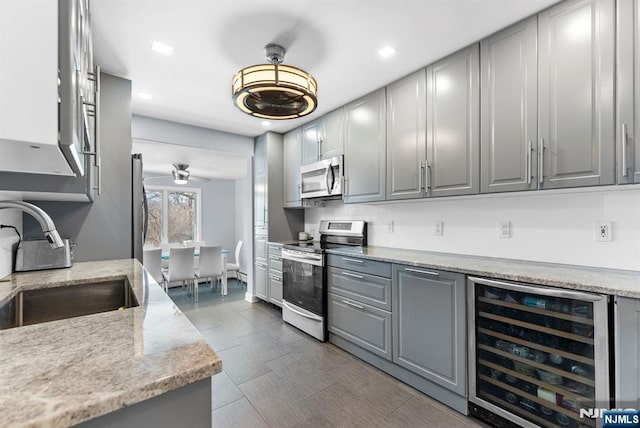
322,179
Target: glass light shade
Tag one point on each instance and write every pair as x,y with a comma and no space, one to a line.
180,176
274,91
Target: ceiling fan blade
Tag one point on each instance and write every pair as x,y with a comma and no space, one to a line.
156,177
199,179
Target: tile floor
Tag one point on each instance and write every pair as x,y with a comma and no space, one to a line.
276,376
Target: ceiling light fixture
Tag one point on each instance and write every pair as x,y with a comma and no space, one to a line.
387,51
180,173
162,48
274,91
144,95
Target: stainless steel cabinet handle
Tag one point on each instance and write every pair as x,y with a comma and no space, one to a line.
428,176
420,178
352,260
352,275
541,162
276,278
353,304
529,161
424,272
624,150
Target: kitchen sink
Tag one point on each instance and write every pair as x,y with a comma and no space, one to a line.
50,304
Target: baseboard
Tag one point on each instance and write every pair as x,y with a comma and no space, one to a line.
250,297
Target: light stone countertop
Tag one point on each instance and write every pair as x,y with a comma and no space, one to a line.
596,280
64,372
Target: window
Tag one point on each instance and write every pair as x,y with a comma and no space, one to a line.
174,215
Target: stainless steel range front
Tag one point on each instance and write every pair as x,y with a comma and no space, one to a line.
304,303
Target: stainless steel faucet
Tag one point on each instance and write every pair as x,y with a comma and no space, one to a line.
48,228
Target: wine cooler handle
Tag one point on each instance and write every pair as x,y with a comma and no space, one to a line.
546,291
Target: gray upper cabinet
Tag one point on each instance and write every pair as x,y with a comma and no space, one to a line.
291,159
628,91
509,122
365,148
576,94
429,325
406,137
322,138
453,124
260,182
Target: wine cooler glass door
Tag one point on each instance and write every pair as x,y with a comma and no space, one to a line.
538,355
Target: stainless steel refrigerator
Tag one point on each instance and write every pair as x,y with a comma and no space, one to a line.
140,213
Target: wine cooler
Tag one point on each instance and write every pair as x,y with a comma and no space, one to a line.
537,355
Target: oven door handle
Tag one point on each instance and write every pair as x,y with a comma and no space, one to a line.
302,314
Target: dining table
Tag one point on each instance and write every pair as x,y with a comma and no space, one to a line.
223,287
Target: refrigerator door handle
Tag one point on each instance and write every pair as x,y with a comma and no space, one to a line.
145,207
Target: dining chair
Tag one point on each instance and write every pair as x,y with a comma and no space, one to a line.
235,267
209,265
181,267
152,261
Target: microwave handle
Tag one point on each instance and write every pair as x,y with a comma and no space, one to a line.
326,179
333,178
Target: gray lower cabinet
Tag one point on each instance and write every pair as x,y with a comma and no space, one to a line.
365,149
291,160
369,289
261,281
627,91
627,347
275,273
429,325
509,94
361,324
275,289
406,137
576,94
260,248
453,124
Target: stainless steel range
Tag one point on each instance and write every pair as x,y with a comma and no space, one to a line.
304,303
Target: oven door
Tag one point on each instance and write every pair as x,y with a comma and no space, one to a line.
302,280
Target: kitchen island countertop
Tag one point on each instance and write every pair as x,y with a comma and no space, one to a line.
65,372
584,278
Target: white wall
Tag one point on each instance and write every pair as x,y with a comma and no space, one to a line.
8,236
549,226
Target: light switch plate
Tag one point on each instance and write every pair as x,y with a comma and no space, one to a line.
504,229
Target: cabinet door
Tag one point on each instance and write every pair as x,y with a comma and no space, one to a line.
453,124
311,135
275,289
627,346
365,149
363,325
509,111
260,182
628,91
292,153
333,128
260,248
429,330
576,64
406,137
262,286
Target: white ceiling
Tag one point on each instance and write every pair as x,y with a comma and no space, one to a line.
334,40
158,159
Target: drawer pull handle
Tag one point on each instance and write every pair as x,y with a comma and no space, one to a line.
352,275
424,272
353,304
275,278
352,260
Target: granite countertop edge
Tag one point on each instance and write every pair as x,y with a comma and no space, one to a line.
624,283
154,362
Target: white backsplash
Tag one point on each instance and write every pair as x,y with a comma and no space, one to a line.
8,236
549,226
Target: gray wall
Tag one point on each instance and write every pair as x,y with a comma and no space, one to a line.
218,209
101,229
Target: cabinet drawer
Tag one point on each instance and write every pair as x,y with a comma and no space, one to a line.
275,263
363,325
370,289
275,249
275,289
371,267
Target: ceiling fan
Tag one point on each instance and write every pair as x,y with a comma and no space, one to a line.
180,175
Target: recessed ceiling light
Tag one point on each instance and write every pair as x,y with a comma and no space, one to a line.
144,95
163,48
387,51
266,123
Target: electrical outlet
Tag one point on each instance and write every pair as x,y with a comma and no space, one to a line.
391,226
504,229
603,231
438,228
